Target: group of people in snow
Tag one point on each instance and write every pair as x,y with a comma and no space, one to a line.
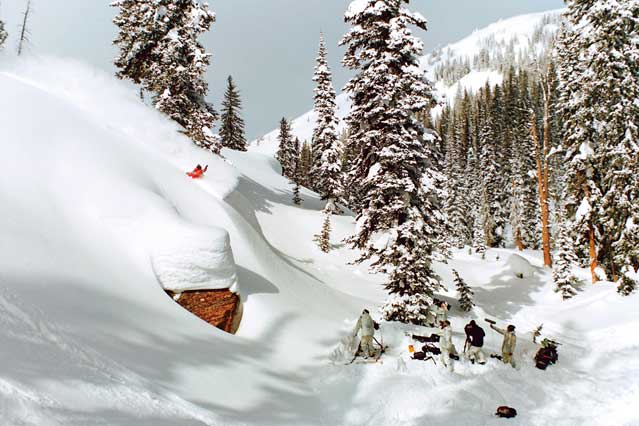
473,347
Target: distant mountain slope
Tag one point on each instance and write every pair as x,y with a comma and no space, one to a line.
466,64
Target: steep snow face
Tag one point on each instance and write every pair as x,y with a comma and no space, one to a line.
466,65
97,216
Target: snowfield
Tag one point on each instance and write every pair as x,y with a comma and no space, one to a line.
98,215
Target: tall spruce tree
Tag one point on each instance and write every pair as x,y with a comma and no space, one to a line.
599,85
306,161
465,293
231,121
326,168
400,215
286,153
564,260
159,48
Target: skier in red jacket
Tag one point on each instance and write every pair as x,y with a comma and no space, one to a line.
198,172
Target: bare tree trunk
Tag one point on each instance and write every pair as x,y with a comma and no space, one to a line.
542,185
24,33
593,253
518,242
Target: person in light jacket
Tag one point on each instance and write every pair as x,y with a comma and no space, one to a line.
508,345
446,345
367,326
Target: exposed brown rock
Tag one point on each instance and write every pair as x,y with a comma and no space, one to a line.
220,308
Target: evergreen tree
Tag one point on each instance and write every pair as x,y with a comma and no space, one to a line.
465,293
599,85
400,216
524,201
3,34
306,161
564,259
286,154
159,48
323,239
458,133
232,124
326,169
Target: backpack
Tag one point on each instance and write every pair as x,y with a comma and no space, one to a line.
506,412
431,349
546,357
419,355
426,339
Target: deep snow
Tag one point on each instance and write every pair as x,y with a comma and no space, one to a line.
97,212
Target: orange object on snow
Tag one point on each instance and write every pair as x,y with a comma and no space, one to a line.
198,172
411,349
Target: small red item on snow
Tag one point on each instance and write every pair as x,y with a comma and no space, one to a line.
198,172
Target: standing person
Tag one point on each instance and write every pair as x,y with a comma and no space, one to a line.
446,345
366,324
508,345
441,312
475,338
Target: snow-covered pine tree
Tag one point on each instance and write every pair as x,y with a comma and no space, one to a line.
489,172
159,48
400,213
465,293
500,198
306,161
326,169
457,142
564,260
297,200
3,34
231,121
524,202
323,239
599,85
286,153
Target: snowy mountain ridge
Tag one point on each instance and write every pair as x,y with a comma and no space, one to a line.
465,65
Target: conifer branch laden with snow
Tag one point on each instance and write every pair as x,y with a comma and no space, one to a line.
598,53
326,171
159,49
565,259
465,293
400,215
231,121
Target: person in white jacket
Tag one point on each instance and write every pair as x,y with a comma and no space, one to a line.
367,326
508,345
446,345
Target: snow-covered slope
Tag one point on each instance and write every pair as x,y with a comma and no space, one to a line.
456,67
97,212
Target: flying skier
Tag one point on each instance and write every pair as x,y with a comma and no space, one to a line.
198,172
366,324
508,345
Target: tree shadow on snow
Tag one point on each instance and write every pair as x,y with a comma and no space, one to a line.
506,294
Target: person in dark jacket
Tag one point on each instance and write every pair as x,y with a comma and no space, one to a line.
475,337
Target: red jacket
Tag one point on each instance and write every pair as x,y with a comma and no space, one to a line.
198,172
